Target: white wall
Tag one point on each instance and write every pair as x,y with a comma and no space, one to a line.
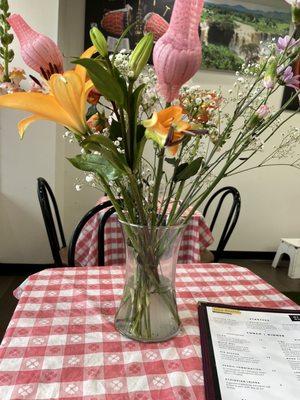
22,235
71,41
270,197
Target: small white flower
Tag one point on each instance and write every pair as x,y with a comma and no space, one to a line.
78,187
89,178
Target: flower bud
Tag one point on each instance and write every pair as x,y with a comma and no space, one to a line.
259,116
93,96
296,14
263,111
271,73
99,41
140,55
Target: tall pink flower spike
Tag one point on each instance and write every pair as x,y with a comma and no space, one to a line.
38,51
177,54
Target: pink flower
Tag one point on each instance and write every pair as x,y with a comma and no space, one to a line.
286,43
177,54
289,79
263,111
38,51
295,3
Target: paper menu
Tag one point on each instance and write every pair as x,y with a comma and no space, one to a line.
256,354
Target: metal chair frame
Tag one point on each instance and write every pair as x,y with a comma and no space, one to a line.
83,222
231,219
45,195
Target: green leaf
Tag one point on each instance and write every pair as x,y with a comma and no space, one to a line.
101,140
108,150
95,163
141,141
121,80
115,130
138,131
171,161
107,85
129,27
185,171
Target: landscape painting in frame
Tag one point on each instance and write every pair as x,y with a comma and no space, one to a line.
232,31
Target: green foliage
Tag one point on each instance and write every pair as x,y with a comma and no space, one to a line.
97,164
268,22
185,171
6,39
220,57
103,80
106,147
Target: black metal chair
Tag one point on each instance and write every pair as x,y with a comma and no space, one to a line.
82,223
57,242
231,219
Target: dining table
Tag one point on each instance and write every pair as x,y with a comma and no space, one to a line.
196,238
61,342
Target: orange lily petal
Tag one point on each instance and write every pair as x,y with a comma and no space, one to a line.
173,149
170,115
149,123
24,123
68,89
181,126
79,69
43,105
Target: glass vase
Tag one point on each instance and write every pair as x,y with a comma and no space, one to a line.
148,310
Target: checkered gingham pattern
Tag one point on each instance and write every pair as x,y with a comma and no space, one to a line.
61,342
196,237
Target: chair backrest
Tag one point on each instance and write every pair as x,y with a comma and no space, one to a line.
102,221
46,199
232,218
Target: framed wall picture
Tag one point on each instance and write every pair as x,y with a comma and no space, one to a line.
113,16
232,31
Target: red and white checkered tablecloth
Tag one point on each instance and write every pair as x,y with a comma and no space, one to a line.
196,237
61,342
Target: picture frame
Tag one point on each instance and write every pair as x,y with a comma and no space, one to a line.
232,32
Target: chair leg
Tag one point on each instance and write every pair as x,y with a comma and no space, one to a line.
278,255
294,268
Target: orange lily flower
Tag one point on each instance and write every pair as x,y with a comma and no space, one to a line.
65,103
167,128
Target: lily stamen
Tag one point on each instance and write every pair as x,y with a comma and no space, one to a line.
35,80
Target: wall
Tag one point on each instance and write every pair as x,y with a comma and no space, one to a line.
22,234
71,41
270,196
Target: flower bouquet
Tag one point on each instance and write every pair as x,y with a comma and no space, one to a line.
156,147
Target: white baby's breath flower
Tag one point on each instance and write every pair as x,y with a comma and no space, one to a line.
89,178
